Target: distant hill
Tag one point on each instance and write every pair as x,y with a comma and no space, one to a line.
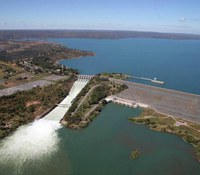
96,34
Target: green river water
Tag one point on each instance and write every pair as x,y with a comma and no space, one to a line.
103,149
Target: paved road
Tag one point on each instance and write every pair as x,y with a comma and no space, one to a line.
89,112
44,82
85,97
166,101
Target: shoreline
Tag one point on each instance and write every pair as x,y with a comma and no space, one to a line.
159,88
90,101
78,57
188,131
174,103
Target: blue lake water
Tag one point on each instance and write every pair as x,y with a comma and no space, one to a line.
176,62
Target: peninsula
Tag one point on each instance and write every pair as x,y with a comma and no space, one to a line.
90,101
26,61
187,130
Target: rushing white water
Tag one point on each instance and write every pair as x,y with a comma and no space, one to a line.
30,142
38,140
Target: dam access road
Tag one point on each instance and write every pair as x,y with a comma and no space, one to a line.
166,101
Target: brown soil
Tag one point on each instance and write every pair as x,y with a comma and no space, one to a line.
9,84
30,103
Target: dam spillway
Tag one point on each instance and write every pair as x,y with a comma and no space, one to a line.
38,140
60,110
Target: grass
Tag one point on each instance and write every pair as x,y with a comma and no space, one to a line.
114,75
8,68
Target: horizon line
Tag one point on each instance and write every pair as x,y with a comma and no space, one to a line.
101,30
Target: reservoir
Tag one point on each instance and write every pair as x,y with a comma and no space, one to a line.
104,146
176,62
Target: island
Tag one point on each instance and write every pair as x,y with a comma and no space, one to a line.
134,154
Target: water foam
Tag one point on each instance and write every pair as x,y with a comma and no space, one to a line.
30,143
38,140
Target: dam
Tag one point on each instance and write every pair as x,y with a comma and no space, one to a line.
169,102
126,102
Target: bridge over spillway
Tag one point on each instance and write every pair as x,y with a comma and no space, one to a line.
60,110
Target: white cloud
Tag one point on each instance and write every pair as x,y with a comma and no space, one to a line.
182,19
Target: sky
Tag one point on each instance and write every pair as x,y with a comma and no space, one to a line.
174,16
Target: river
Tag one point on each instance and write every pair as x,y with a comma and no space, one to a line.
102,148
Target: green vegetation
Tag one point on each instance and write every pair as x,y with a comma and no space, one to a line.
25,61
24,107
90,101
8,69
187,130
98,94
134,154
114,75
23,50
